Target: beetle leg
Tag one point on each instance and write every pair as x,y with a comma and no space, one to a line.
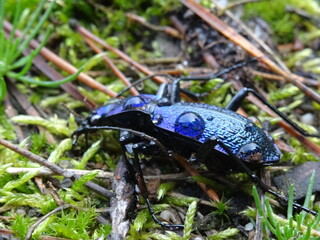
175,91
76,136
175,85
143,187
208,77
194,96
163,91
220,73
209,146
136,170
236,101
169,93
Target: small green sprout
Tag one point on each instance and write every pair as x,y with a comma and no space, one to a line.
163,189
6,128
297,227
222,208
74,224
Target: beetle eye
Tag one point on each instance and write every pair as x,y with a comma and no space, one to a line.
93,120
134,103
250,152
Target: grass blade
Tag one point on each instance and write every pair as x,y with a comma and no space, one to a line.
34,15
3,89
260,210
316,222
33,54
2,37
290,202
307,200
46,83
36,29
12,43
270,213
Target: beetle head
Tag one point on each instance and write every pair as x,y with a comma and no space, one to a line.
96,118
102,116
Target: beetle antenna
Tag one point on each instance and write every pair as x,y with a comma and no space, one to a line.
134,132
189,78
218,74
171,79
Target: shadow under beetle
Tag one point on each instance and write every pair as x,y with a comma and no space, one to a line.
219,137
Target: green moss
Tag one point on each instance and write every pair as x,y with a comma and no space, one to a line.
20,225
282,22
110,23
6,128
74,224
39,144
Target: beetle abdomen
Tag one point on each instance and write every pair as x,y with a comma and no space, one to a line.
202,122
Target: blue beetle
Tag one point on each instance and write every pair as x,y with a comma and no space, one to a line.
219,137
185,127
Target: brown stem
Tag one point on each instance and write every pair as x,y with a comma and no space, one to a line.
210,192
54,75
87,34
27,107
36,224
276,77
116,71
66,66
178,24
167,30
56,169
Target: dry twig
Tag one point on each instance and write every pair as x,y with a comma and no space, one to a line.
210,192
85,33
116,71
167,30
230,33
56,169
40,220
